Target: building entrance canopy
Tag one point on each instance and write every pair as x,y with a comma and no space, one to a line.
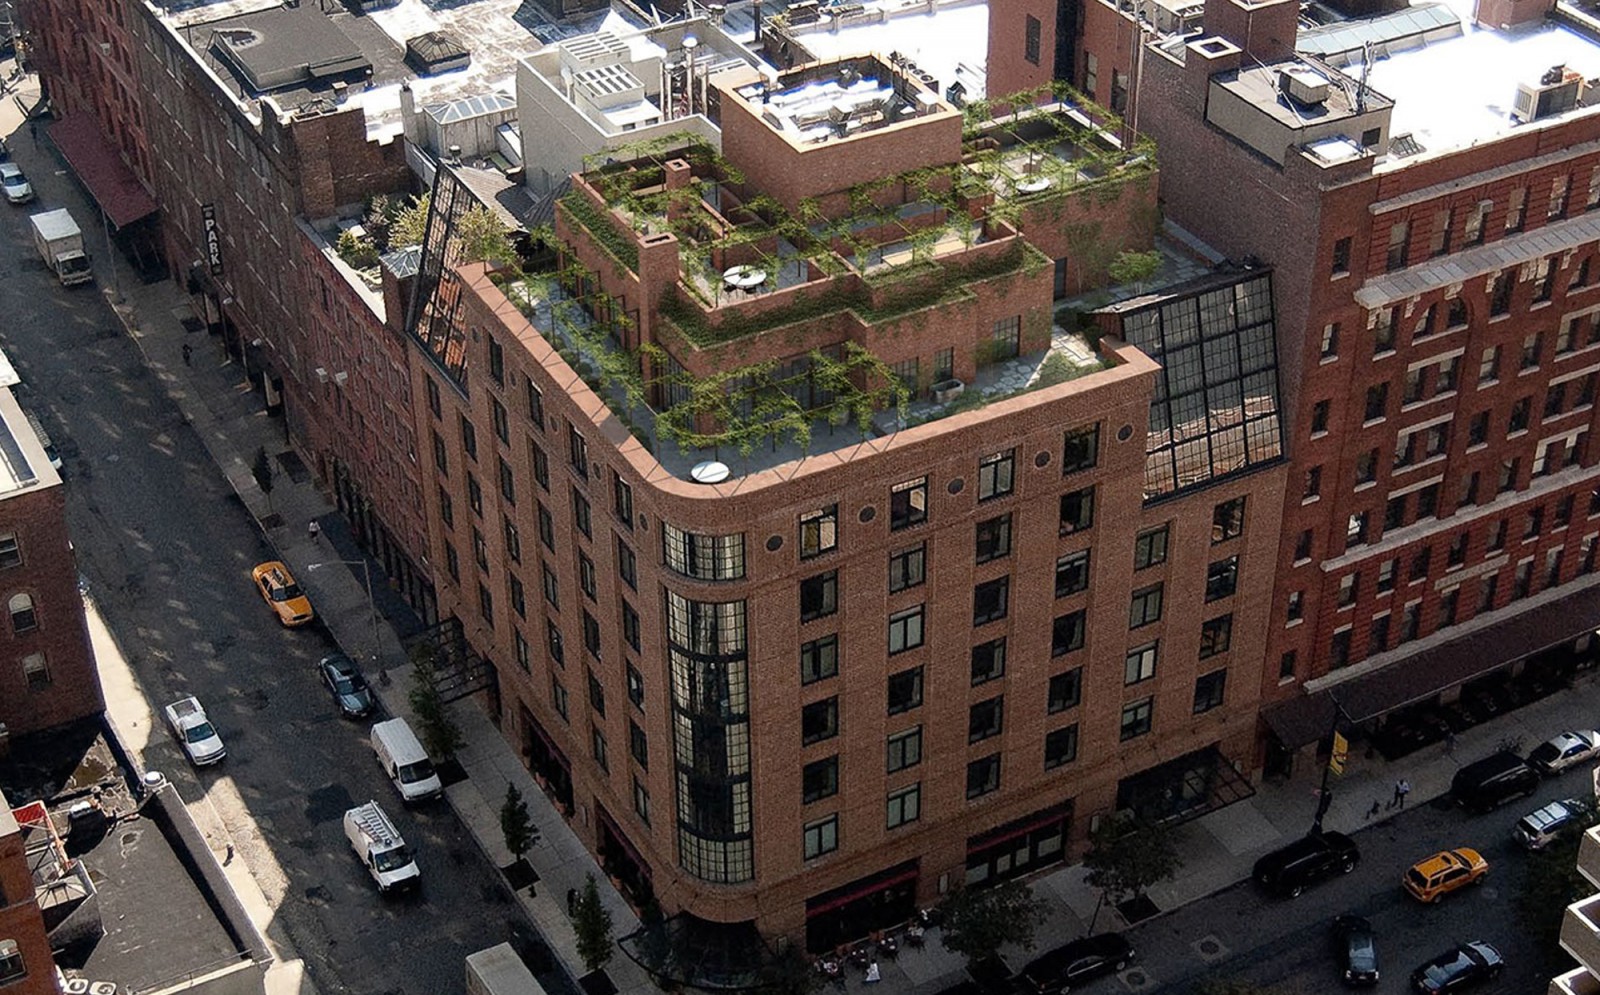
110,181
1307,719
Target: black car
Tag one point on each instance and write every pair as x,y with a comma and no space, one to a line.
1456,970
1067,967
1493,781
349,689
1356,950
1291,869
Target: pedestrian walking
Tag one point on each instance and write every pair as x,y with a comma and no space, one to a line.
1394,800
1401,789
1372,813
1450,743
188,354
873,975
572,902
313,530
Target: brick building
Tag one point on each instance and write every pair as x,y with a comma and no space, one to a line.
1052,594
26,965
49,675
1434,266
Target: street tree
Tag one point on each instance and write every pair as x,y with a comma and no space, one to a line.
592,923
516,825
1552,882
978,922
1126,857
440,734
791,973
261,469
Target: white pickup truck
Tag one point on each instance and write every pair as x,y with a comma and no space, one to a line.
189,724
380,848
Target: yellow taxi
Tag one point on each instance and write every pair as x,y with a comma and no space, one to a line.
281,593
1432,878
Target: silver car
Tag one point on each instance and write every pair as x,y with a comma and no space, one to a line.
15,185
1539,829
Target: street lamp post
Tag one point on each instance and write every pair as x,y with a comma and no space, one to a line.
372,605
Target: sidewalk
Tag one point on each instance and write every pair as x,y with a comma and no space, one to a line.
210,390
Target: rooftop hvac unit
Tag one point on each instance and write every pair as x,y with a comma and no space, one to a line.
1304,86
1556,93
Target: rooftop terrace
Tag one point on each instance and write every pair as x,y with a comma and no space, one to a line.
947,39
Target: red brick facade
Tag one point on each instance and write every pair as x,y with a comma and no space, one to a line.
24,947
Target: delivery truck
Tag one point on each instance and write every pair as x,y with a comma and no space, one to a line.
60,244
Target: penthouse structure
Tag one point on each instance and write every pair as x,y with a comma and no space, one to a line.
823,566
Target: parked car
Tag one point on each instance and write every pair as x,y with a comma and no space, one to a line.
1566,750
1066,967
281,593
1540,828
1355,950
1432,878
1291,869
14,184
1458,969
343,680
1493,781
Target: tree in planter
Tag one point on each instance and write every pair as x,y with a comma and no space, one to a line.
261,469
483,237
592,923
1126,857
977,923
516,825
440,734
1134,267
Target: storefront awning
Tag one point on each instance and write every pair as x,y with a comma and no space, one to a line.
110,181
1308,718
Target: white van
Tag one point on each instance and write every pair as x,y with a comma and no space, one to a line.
405,761
380,848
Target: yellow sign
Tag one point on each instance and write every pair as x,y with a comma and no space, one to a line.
1341,753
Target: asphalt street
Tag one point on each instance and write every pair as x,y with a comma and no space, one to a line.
1241,935
166,550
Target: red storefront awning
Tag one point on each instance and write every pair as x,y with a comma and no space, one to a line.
110,181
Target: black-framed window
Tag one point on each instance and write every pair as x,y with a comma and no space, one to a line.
819,779
1032,34
905,690
1150,547
513,539
993,538
474,495
1209,688
1077,511
591,634
819,721
990,600
627,565
996,474
1136,718
908,504
1216,635
469,439
905,630
819,659
534,398
622,499
903,806
703,556
541,464
819,595
1222,578
904,749
586,577
551,586
638,745
581,515
1067,633
1080,449
559,700
983,776
554,643
597,694
635,687
502,420
1140,663
630,626
1227,520
508,482
985,719
988,661
1072,573
497,360
1145,606
1066,691
907,568
578,451
1060,746
821,837
819,531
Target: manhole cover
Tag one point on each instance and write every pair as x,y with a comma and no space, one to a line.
1209,948
1136,980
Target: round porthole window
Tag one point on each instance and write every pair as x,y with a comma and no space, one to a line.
955,486
774,543
1042,460
868,514
1125,433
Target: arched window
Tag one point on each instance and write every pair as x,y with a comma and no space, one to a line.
23,618
36,670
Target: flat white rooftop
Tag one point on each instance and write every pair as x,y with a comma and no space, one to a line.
950,40
1458,92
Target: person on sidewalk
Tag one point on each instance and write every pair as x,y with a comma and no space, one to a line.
1372,813
1450,743
1401,789
313,530
873,975
188,354
1394,800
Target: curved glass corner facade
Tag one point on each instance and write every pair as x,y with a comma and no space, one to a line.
711,737
703,557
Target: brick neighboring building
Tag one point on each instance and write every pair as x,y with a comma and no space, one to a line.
48,677
822,692
26,964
